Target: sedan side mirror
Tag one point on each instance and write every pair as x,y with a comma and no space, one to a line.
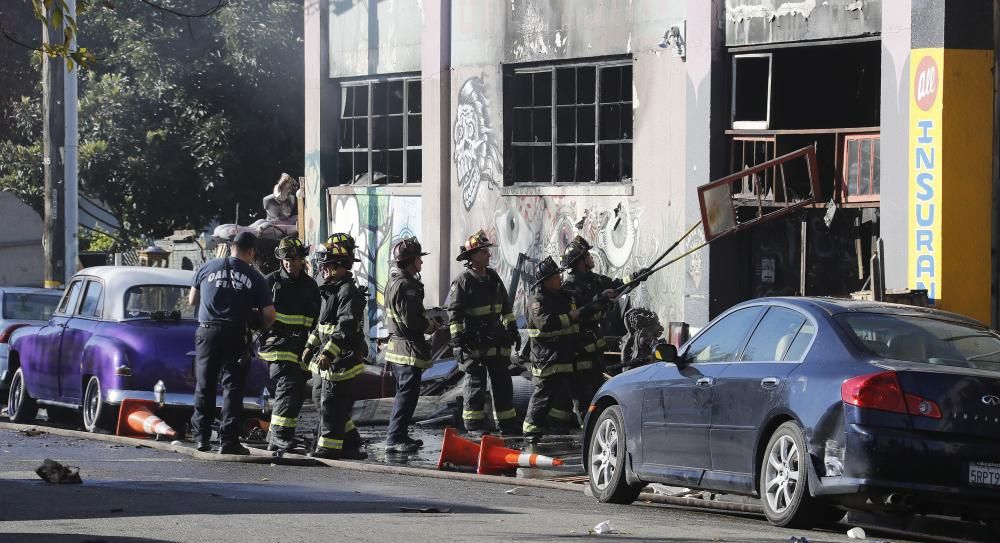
665,352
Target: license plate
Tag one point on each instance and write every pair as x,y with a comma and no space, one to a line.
984,473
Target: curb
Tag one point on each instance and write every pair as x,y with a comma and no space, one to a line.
260,456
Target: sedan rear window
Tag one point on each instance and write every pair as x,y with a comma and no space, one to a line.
29,307
146,300
926,340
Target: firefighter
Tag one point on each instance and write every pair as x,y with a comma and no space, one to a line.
483,328
408,350
232,297
336,349
352,438
297,303
554,335
584,286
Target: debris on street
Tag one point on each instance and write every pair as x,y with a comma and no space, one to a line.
856,533
55,473
604,528
424,510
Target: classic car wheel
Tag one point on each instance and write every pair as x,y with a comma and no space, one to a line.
21,407
97,415
784,482
606,461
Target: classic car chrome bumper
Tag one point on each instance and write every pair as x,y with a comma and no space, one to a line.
177,399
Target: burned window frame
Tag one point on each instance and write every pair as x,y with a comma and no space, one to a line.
852,174
397,153
545,161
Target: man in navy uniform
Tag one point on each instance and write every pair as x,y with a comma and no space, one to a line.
231,297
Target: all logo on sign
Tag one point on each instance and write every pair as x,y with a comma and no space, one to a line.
925,84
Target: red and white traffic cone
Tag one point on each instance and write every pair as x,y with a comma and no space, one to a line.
495,458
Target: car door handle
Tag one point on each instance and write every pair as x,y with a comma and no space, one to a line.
769,382
704,382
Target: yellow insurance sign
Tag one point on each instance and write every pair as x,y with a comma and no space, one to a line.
925,212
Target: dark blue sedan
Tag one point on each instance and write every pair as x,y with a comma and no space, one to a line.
814,405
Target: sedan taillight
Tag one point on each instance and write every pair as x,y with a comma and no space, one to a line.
882,391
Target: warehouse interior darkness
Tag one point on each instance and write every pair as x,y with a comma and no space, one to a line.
783,98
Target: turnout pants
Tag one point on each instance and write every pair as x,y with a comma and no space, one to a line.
474,392
550,404
585,386
219,352
351,436
336,400
289,394
405,403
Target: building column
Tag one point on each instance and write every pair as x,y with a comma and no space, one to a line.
894,157
321,100
435,66
950,141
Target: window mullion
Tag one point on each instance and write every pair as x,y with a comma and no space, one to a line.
552,132
406,127
371,131
597,125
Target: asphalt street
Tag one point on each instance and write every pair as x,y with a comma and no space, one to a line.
137,494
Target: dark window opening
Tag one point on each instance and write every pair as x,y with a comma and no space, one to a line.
751,91
380,132
568,123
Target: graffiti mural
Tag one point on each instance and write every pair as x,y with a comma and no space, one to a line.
477,154
540,226
377,221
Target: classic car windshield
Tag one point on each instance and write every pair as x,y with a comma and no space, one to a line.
141,301
29,307
926,340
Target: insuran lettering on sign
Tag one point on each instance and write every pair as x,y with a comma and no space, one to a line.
926,152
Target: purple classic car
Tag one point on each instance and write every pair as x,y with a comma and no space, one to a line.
117,333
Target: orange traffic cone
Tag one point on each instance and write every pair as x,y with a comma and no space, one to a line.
136,419
457,451
494,458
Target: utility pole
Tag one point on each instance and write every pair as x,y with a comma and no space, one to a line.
53,233
72,196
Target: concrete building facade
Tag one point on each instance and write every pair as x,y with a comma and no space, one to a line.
540,120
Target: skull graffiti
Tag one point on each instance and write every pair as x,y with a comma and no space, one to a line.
477,157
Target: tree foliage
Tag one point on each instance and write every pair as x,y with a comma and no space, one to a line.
181,119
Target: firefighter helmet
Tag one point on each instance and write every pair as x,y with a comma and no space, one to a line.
290,247
336,254
342,238
476,241
545,269
406,249
575,251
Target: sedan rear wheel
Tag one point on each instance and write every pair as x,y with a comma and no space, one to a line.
97,415
784,482
606,461
21,407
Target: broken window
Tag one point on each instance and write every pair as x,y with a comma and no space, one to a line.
569,123
861,168
380,140
751,86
